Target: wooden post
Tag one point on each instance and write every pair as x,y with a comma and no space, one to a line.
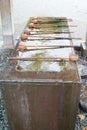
7,23
86,40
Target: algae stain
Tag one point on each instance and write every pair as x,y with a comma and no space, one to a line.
63,65
50,24
36,65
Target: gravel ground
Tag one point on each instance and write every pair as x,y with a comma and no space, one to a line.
3,114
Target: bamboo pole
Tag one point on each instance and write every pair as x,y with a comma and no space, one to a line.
86,40
40,59
73,57
53,19
48,32
52,46
35,48
47,26
51,38
30,37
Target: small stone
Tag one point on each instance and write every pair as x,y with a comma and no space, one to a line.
81,116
